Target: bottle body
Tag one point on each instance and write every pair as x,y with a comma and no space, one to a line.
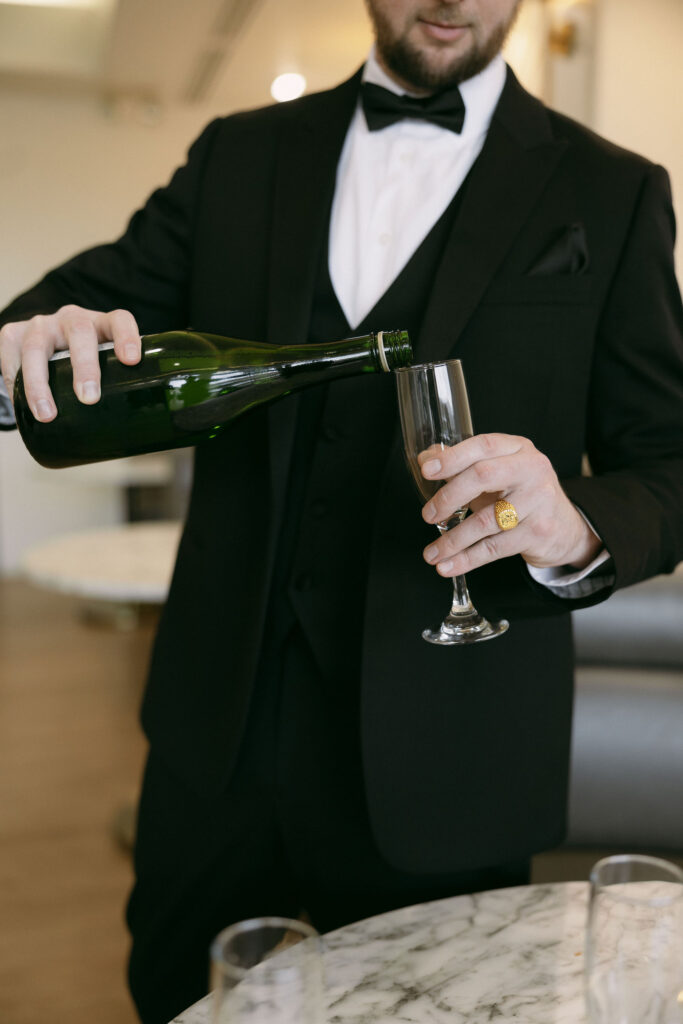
186,389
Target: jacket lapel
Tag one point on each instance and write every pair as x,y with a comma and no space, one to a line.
516,162
309,150
310,147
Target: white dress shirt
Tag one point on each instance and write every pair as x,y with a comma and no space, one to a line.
409,167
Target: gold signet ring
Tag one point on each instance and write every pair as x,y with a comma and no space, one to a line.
506,515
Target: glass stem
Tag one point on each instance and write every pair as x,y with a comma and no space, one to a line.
462,606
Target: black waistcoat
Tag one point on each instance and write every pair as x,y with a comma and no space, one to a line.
343,436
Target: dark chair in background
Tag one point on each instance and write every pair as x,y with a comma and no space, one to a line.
626,790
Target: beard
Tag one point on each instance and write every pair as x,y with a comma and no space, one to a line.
413,66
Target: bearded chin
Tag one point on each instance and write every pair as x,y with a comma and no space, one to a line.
413,66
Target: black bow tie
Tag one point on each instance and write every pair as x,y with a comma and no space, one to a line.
383,107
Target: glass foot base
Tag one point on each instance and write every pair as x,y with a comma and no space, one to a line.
470,631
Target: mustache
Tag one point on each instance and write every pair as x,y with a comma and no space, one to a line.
443,15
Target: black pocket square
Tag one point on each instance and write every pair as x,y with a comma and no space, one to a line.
566,254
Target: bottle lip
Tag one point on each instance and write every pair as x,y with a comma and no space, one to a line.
382,353
394,349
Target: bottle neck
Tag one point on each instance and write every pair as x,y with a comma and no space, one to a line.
381,352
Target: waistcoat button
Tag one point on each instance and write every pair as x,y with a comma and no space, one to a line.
331,433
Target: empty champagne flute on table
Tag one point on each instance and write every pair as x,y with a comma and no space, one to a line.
267,970
634,942
435,413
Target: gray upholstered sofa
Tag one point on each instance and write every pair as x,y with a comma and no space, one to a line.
626,788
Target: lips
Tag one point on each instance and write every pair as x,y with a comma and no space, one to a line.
442,31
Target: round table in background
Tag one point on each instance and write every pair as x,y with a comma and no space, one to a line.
131,563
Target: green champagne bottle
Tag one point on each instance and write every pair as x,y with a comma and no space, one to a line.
187,387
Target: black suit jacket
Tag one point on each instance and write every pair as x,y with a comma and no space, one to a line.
465,750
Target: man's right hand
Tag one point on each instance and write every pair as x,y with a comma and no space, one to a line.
29,344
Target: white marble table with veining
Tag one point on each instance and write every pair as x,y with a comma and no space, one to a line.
510,956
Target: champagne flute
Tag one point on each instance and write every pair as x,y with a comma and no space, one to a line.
435,413
634,941
267,969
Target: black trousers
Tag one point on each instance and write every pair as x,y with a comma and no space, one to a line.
291,834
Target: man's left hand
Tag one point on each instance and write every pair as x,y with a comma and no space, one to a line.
480,471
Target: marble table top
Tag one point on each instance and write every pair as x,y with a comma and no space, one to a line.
510,956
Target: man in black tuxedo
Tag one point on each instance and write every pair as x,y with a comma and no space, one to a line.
309,751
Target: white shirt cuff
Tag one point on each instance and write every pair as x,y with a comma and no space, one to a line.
6,411
557,575
573,583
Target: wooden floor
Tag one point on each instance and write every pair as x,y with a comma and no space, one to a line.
70,756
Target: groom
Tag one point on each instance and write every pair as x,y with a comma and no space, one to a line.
308,750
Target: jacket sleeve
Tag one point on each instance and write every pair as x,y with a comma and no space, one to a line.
635,427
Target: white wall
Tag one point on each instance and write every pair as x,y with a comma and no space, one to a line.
623,78
639,84
37,504
71,172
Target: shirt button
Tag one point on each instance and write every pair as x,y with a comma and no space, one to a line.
385,238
